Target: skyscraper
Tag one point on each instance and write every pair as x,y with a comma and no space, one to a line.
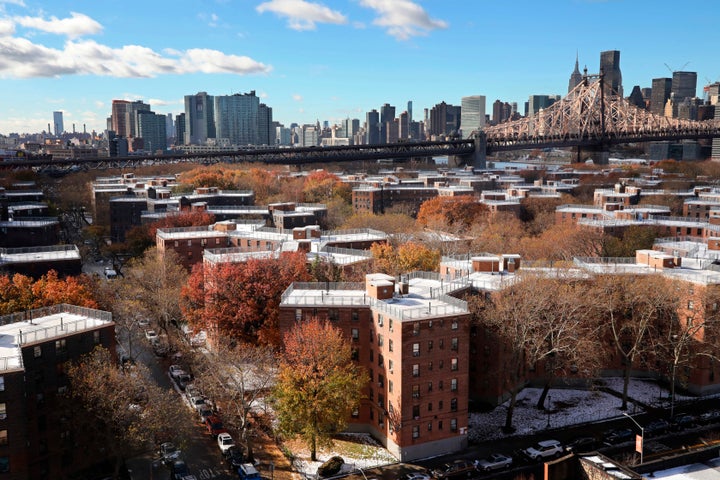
661,88
124,117
58,127
575,77
152,129
536,102
180,129
372,125
387,114
199,118
684,85
236,118
409,111
472,114
610,67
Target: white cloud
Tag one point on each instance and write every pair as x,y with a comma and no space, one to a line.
19,3
301,14
76,26
297,97
403,18
91,58
7,27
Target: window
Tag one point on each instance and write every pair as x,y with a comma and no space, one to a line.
3,437
416,431
380,320
441,363
334,314
381,400
390,324
440,425
441,343
355,334
356,412
440,405
390,386
189,243
430,345
453,405
355,355
381,381
454,325
381,340
390,344
454,344
453,385
298,314
354,315
40,399
453,364
430,407
430,365
390,366
429,386
416,328
60,346
96,337
691,304
440,384
416,349
381,360
416,370
416,391
4,464
37,351
429,323
371,396
429,426
2,383
453,424
3,411
416,411
372,356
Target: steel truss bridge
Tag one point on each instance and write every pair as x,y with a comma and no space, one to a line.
587,117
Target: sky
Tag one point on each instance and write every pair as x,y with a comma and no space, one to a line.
328,60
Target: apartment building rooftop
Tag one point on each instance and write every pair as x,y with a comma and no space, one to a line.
42,325
38,254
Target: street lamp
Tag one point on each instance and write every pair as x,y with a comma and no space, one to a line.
549,399
642,437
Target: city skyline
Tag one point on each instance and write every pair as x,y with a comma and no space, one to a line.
326,61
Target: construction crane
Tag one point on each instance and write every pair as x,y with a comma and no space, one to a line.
678,70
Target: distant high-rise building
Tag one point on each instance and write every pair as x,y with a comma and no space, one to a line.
660,94
712,92
409,111
472,114
58,127
536,102
684,85
392,130
502,111
372,127
610,67
387,114
310,135
124,117
266,132
575,77
636,97
199,118
283,136
180,129
169,126
236,118
444,119
151,128
404,126
351,127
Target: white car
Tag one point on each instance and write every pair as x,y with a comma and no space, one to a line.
418,476
176,371
225,441
495,461
544,449
151,335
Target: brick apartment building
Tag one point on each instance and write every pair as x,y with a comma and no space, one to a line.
34,440
413,340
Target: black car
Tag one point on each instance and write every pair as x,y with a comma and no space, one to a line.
683,421
233,457
179,470
582,444
657,427
457,468
618,436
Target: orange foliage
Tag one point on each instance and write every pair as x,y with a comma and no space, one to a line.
20,292
184,219
321,186
460,212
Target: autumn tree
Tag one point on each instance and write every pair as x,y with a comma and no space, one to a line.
456,214
238,377
151,288
318,385
408,257
321,186
20,292
241,300
120,412
632,309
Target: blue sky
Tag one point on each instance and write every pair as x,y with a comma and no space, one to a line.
329,59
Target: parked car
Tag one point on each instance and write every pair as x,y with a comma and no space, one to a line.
682,421
198,401
205,411
247,471
233,457
455,469
620,435
656,427
151,335
417,476
582,444
183,380
544,449
214,425
169,452
179,470
496,461
225,441
713,416
176,370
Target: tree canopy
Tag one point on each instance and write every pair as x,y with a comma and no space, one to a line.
21,292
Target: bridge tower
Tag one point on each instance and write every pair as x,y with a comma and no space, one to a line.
478,159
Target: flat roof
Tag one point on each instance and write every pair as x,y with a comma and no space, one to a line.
42,325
